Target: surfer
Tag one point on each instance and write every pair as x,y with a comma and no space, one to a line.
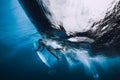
43,45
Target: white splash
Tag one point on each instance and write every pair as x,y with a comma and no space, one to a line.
77,56
77,15
53,44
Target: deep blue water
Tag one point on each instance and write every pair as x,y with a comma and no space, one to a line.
18,61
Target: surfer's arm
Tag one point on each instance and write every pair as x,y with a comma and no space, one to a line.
41,44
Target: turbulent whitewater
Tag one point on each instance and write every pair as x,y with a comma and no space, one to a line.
72,22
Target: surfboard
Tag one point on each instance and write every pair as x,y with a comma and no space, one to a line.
46,57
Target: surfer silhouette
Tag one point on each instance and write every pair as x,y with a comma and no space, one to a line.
43,45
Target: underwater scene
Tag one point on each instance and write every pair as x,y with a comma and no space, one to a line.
60,40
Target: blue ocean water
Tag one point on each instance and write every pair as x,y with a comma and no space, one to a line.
18,61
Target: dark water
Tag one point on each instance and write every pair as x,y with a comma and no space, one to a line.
18,61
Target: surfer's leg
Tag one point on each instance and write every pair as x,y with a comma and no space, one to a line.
53,53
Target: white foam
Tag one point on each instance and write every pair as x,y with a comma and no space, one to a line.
77,15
